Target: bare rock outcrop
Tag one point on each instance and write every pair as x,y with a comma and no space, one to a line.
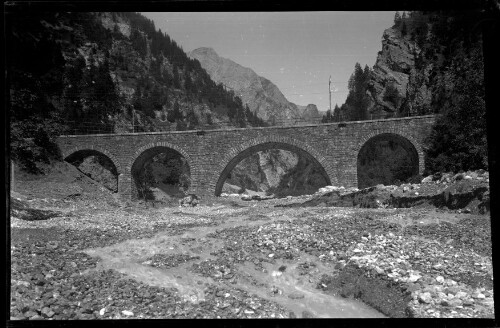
99,171
393,72
260,94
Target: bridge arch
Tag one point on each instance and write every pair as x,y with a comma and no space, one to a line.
236,154
91,149
405,140
418,147
145,153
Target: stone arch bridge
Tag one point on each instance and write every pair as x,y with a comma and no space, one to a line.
211,154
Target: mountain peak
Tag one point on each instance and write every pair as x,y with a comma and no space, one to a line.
205,51
261,95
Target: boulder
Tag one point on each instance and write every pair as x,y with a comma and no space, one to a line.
189,200
425,298
427,179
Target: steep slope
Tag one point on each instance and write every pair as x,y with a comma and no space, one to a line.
430,62
418,67
81,72
110,70
261,95
414,69
394,66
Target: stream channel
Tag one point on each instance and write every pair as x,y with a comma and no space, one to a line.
297,293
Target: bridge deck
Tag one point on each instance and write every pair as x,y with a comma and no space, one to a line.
259,127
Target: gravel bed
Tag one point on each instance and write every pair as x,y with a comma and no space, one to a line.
442,279
166,261
52,280
219,270
445,268
445,279
237,303
473,232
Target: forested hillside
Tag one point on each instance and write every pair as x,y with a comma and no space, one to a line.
104,72
430,62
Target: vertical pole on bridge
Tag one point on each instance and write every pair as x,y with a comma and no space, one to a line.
330,92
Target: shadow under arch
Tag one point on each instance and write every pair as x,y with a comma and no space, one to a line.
140,160
74,155
374,168
105,160
261,147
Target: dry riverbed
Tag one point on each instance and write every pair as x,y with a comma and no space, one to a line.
79,253
238,259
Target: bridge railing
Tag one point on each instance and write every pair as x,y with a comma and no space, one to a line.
83,127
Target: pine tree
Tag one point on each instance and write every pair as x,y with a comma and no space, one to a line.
391,94
397,19
240,117
336,113
188,84
249,116
138,42
231,112
181,125
209,119
176,111
403,29
176,78
357,99
192,120
458,139
327,118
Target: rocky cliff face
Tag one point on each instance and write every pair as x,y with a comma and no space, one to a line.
263,170
397,84
393,69
261,95
278,172
97,170
413,70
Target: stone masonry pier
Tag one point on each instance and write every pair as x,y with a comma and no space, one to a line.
211,154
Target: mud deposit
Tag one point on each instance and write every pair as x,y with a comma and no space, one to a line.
198,258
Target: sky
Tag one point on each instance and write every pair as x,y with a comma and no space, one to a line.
297,51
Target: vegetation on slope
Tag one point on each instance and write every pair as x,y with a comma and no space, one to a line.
102,72
449,68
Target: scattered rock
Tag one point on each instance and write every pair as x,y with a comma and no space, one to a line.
425,298
189,200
